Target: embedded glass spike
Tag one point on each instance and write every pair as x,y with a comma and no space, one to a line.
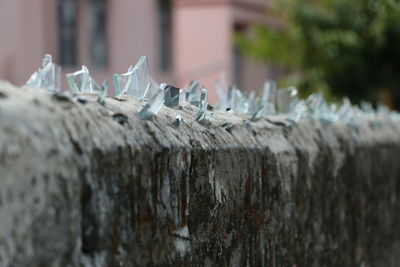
383,110
257,114
287,98
298,111
239,103
136,82
103,93
346,111
221,91
327,113
171,96
368,109
154,105
314,103
230,98
251,102
178,120
80,82
193,93
47,77
269,97
209,116
201,112
182,97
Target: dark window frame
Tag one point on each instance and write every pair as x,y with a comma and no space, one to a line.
67,32
165,34
98,31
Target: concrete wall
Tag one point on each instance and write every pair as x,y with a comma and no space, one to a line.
203,39
93,185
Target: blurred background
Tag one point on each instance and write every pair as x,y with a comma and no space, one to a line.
339,47
184,40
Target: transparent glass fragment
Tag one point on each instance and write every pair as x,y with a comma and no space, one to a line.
367,107
154,105
382,110
251,103
136,82
239,102
80,82
47,77
230,98
178,120
201,112
269,97
209,116
287,98
299,111
220,86
182,97
171,96
346,111
258,113
193,93
314,103
103,92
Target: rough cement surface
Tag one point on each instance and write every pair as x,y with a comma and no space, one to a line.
92,185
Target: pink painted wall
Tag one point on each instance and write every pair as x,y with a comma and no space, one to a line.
202,44
24,31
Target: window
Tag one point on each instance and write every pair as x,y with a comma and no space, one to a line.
98,33
165,28
67,32
237,66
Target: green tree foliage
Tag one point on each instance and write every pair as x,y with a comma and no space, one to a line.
351,47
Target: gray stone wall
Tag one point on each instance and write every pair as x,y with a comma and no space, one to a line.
92,185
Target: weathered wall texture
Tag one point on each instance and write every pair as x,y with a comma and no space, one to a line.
92,185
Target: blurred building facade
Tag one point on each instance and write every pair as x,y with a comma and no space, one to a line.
183,39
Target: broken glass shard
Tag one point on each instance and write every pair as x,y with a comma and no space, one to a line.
209,116
182,97
257,114
221,90
171,96
368,109
47,77
287,98
251,103
136,82
229,98
298,112
178,120
237,101
103,93
193,93
346,112
327,113
201,113
80,82
383,110
314,103
154,105
269,97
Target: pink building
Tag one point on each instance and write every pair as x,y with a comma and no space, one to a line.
183,39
